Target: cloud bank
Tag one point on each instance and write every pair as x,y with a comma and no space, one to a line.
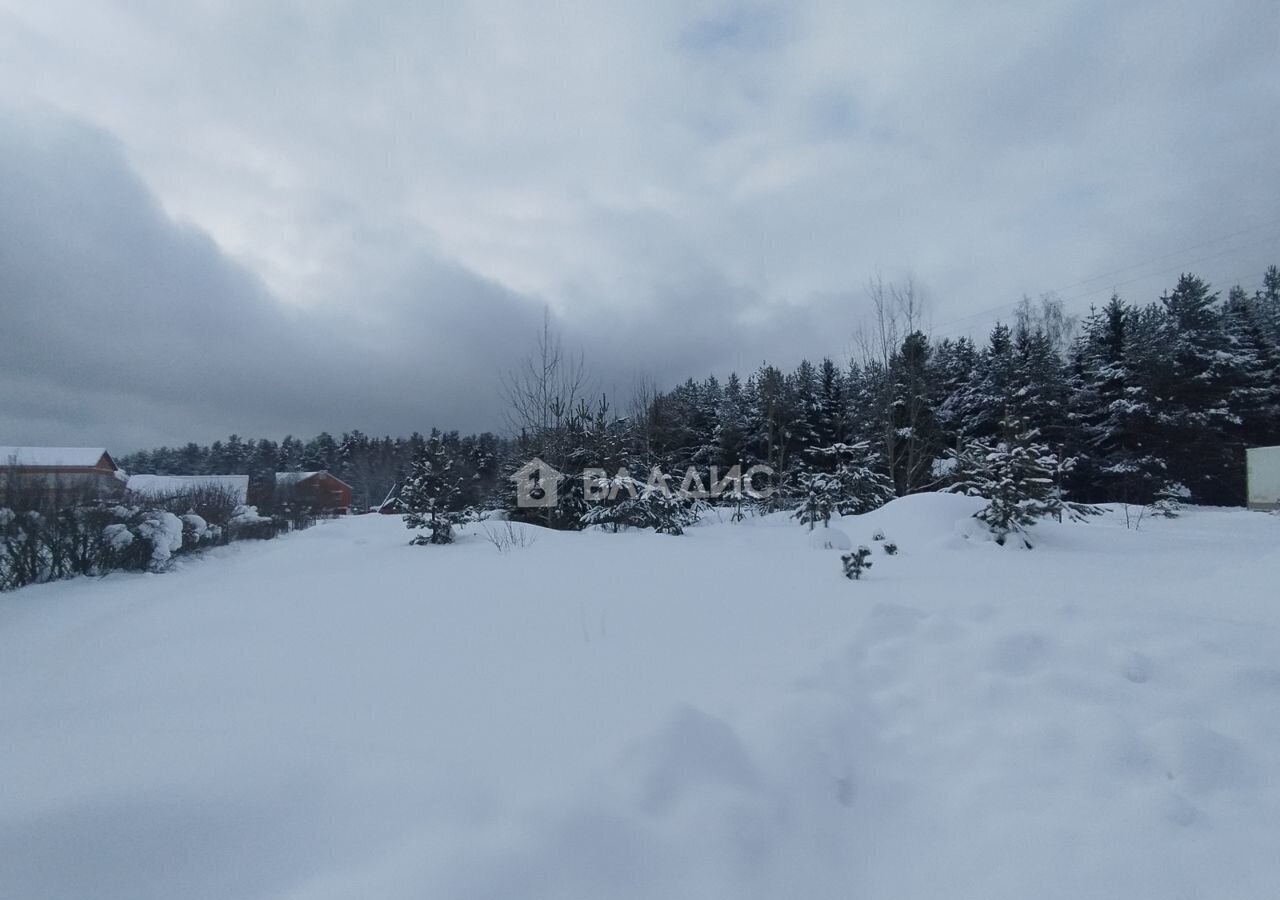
275,217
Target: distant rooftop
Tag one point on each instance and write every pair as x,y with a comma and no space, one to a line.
295,477
52,457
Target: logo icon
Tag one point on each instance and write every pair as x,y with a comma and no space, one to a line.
537,485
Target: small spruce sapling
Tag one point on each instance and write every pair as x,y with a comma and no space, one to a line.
856,562
1018,478
891,548
819,497
433,495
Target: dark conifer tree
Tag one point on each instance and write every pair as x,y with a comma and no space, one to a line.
433,495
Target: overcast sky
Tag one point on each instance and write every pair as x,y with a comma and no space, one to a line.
273,217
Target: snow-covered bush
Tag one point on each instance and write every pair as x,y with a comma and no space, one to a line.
247,524
247,515
195,529
214,503
162,530
97,538
117,537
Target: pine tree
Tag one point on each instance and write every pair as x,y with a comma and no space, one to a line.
433,494
1019,479
819,494
1192,373
1268,303
854,483
622,501
833,420
953,368
1111,414
917,438
1254,398
802,412
1039,383
989,395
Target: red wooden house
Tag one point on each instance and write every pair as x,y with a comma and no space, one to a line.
58,476
321,491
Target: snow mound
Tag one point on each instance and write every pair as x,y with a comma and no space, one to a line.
916,522
829,539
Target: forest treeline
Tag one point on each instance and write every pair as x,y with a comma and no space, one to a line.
1135,401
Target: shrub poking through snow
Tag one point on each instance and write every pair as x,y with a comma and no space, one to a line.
857,562
508,536
878,536
891,548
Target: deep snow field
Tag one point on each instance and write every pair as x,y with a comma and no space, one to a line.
720,715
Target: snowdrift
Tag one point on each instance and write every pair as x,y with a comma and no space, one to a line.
919,522
633,715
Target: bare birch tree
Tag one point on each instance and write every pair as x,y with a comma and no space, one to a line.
546,386
897,313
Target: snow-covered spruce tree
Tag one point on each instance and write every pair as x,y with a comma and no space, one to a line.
1114,433
819,494
1019,478
1192,369
623,501
857,484
614,502
433,494
669,512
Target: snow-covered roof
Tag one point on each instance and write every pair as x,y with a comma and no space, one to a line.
52,457
159,485
286,479
294,477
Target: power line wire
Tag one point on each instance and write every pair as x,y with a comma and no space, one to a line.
1009,307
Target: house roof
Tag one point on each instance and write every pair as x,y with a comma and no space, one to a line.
293,477
159,485
54,457
290,478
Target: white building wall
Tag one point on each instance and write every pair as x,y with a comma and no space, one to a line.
1264,478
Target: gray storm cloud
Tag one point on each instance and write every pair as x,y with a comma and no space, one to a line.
122,326
284,217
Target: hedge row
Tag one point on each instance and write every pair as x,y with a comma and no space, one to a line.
97,538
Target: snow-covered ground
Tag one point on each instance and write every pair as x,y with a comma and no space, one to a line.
339,715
